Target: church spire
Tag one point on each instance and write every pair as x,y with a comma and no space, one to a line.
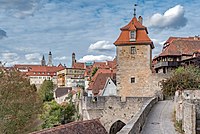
43,62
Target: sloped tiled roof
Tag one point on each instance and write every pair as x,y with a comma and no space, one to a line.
99,79
38,70
61,91
80,127
79,65
181,46
141,34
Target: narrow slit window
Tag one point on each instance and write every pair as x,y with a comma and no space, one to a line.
133,80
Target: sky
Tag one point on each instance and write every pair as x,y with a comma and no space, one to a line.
30,29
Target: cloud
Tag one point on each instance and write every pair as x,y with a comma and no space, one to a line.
61,58
20,8
33,57
101,46
2,34
172,18
9,57
92,58
158,46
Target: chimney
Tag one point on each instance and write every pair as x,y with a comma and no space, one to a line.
140,19
196,37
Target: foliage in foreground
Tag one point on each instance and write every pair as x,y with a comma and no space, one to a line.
46,90
56,114
19,104
182,78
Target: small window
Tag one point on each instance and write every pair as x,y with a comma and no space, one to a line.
133,80
132,35
133,50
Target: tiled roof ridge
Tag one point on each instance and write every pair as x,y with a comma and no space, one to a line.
67,125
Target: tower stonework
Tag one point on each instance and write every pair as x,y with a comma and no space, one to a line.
134,56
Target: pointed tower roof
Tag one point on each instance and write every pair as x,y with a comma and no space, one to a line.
141,34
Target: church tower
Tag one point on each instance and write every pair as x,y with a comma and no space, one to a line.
73,59
50,59
134,56
43,62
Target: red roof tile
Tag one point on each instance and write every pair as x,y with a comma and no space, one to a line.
80,127
78,65
141,34
180,46
38,70
99,79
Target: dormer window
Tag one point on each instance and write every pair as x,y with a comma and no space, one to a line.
132,35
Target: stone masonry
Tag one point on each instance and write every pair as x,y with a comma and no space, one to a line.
111,109
136,66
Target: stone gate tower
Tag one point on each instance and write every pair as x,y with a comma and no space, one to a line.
134,56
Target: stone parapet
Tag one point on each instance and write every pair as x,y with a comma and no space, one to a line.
134,126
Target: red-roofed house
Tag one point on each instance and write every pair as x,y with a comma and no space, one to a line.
176,50
37,73
98,82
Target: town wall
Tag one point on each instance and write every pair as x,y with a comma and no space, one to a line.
189,118
187,106
134,126
112,108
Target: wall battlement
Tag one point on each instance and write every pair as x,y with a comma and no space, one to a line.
112,101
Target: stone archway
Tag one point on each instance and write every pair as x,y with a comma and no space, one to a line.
116,127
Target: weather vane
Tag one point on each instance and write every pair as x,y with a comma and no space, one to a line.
135,10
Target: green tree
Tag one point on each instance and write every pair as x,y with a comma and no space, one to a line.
94,71
182,78
55,114
46,90
19,104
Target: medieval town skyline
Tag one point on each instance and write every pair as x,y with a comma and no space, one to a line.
30,29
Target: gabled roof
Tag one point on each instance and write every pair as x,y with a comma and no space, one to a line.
107,82
61,91
79,65
99,79
141,34
93,126
180,46
38,70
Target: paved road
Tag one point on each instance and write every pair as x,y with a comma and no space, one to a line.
159,120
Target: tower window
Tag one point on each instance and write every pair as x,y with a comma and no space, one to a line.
132,35
133,80
133,50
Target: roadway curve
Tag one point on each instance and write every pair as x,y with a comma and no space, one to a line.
159,120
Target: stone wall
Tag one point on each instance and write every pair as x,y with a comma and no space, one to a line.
134,126
111,109
136,66
189,118
187,106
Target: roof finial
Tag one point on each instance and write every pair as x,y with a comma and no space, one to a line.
135,10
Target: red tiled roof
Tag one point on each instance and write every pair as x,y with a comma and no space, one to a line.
38,70
101,65
78,65
141,34
99,79
180,46
79,127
